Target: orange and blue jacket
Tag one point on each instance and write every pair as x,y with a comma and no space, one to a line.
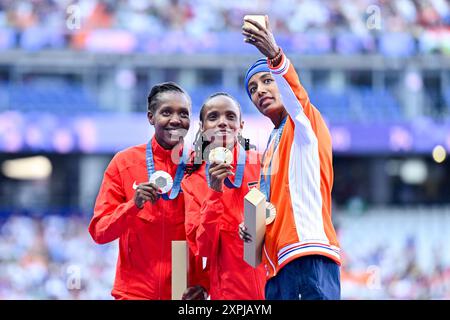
301,180
212,222
144,264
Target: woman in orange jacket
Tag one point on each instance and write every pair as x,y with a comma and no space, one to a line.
144,218
301,250
214,204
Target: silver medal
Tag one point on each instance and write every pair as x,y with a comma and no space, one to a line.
162,180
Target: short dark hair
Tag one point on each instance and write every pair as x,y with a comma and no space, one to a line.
153,96
217,94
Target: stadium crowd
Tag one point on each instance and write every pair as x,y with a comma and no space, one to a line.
426,21
53,257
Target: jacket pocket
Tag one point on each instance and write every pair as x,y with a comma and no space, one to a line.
133,249
124,252
129,250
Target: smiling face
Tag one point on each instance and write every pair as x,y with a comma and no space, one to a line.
265,94
170,117
221,121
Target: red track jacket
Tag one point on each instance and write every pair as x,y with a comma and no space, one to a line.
144,263
212,221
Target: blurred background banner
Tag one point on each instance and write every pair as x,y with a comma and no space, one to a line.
111,132
74,80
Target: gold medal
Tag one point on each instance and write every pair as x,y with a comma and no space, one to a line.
220,155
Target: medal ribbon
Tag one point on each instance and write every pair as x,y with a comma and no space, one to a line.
178,175
265,179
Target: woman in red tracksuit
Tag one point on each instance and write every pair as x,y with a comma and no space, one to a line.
130,209
214,211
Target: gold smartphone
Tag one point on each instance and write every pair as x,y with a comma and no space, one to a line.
258,18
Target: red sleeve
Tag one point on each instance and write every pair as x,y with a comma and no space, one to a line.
208,230
197,274
191,219
201,221
111,208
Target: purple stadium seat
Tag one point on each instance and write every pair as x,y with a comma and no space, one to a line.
397,44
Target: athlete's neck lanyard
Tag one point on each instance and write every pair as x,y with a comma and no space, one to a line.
239,171
178,175
265,179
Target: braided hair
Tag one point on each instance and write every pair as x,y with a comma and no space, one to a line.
153,98
201,143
